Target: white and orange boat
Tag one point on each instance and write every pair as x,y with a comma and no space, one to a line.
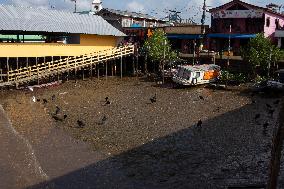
197,74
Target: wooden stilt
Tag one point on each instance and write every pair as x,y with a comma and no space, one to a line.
27,63
83,74
68,72
8,79
1,75
17,62
58,77
106,70
37,71
98,70
91,71
75,71
111,68
133,65
121,67
51,76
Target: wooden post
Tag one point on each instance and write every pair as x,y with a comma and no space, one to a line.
112,68
83,75
37,72
27,63
1,72
8,79
133,64
58,68
98,70
17,62
83,69
121,66
276,151
44,65
91,71
106,70
76,70
68,69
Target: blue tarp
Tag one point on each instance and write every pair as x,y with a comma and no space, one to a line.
136,25
184,36
236,36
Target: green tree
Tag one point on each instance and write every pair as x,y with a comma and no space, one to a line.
261,54
157,46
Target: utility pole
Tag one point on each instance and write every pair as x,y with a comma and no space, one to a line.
269,62
75,4
229,54
164,56
203,23
203,18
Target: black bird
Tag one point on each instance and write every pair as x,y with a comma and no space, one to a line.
257,116
107,102
65,116
104,119
268,106
154,98
265,125
271,112
56,118
276,102
218,108
44,101
199,124
81,124
264,131
57,110
201,97
38,100
53,97
106,98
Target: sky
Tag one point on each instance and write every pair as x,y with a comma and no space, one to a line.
191,9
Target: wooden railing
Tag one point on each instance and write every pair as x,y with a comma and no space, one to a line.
38,71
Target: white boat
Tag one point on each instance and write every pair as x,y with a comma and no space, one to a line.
197,74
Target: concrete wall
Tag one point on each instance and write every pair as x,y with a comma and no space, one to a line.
269,31
88,44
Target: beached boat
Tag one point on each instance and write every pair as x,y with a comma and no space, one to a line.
197,74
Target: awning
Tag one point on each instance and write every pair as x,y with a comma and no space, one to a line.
184,36
233,36
135,25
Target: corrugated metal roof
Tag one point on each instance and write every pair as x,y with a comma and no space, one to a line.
14,18
131,14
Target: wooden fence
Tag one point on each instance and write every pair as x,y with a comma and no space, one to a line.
38,71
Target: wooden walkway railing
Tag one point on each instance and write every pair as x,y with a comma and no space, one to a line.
42,70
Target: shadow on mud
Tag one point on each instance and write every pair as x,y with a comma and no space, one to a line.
228,150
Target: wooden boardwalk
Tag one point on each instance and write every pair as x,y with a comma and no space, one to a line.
42,70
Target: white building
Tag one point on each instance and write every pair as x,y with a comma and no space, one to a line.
96,6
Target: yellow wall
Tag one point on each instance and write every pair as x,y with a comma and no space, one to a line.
88,44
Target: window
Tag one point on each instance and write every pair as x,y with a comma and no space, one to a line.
197,74
277,24
267,21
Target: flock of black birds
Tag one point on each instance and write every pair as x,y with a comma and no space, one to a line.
58,116
269,108
270,111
